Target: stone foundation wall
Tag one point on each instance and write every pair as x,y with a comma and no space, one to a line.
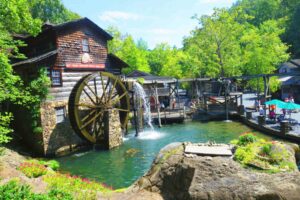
58,138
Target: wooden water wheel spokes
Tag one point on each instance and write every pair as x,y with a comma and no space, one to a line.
91,98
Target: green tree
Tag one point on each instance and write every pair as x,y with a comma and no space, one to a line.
263,51
125,48
167,61
51,11
285,12
215,46
292,35
15,17
227,45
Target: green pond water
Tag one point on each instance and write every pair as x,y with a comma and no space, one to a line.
121,166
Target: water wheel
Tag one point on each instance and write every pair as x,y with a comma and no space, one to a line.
91,97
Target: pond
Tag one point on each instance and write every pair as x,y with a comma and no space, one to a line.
121,166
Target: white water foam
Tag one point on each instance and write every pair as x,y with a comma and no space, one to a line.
80,154
150,135
139,93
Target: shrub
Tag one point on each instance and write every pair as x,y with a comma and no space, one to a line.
53,164
245,154
5,119
82,187
58,194
14,190
246,138
271,156
266,148
32,170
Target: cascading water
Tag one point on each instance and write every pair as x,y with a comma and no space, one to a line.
140,94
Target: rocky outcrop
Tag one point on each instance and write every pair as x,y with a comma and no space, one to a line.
175,175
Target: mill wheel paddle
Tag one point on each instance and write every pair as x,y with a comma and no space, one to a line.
91,97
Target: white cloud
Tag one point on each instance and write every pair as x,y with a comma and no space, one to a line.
114,16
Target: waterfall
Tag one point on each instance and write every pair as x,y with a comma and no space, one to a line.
139,93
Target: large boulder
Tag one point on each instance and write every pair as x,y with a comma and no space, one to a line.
176,175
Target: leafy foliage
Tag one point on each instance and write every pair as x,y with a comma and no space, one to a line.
23,17
246,138
167,61
82,187
5,119
216,44
125,48
51,11
32,169
53,164
38,88
15,17
271,156
14,190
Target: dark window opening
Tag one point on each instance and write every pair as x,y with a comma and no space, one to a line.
85,45
55,77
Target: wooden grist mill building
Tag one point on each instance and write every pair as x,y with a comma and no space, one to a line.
68,51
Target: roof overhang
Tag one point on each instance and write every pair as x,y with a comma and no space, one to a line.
36,59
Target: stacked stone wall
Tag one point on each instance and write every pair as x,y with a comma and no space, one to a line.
58,138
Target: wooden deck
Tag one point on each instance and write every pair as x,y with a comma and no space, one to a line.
171,116
209,150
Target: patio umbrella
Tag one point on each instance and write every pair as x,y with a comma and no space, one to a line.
276,102
290,106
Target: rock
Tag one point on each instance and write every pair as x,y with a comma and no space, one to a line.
217,178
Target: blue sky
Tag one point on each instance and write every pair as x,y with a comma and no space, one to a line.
155,21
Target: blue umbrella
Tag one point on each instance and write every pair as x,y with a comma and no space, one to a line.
276,102
290,106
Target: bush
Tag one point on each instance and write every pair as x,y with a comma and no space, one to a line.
32,170
246,138
266,149
5,119
82,187
53,164
13,190
245,154
271,156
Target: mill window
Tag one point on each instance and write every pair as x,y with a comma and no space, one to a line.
55,77
85,45
60,113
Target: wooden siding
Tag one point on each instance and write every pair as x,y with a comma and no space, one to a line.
69,44
69,80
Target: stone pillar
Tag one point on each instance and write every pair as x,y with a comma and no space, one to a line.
249,115
284,127
113,131
261,120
